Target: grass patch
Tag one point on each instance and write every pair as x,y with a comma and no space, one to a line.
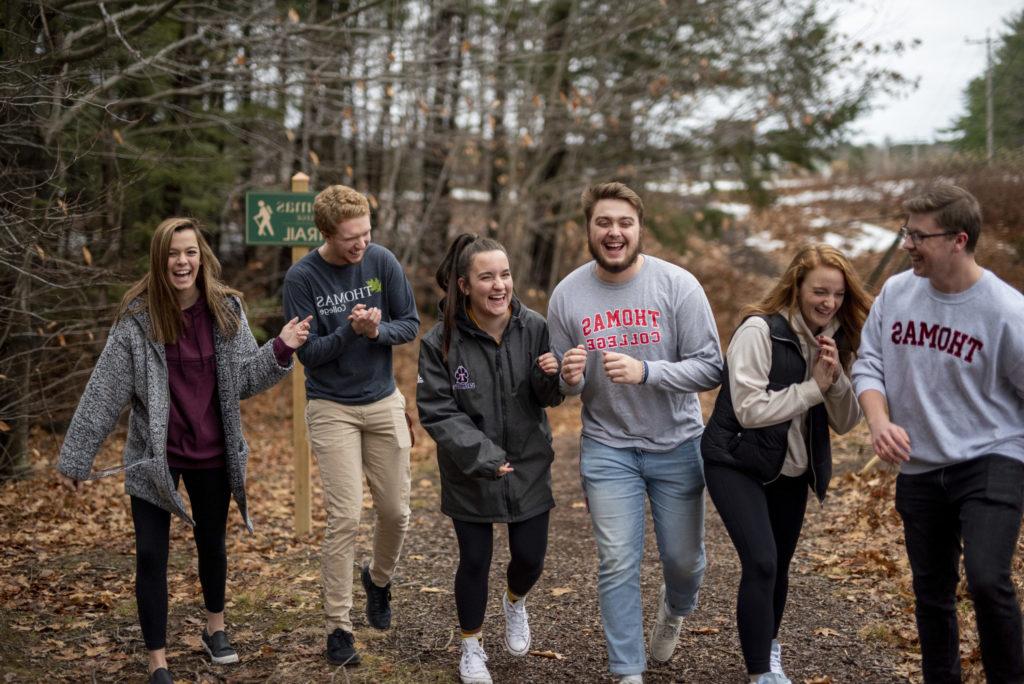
878,631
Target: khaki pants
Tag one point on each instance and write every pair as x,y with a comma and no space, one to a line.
349,442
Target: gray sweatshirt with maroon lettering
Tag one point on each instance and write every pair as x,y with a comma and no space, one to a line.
660,316
951,367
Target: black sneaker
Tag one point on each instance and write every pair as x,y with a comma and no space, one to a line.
161,675
378,601
219,648
341,648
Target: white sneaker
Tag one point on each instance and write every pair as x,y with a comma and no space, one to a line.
473,664
631,679
773,678
517,626
665,632
775,658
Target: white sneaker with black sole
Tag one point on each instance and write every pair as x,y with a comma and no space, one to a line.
219,648
473,663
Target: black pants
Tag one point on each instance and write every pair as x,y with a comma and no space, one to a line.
209,494
764,523
977,504
527,543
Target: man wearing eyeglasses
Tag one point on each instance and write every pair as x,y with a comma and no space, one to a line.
940,377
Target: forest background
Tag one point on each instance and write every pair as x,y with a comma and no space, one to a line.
488,116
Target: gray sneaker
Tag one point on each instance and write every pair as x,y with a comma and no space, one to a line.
773,678
775,658
665,633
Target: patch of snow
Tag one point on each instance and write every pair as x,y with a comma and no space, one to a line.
896,187
764,242
871,238
848,194
736,209
470,195
791,182
694,187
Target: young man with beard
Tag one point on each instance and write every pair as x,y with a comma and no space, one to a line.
637,339
941,380
362,305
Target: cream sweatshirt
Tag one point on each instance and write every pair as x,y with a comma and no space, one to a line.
750,360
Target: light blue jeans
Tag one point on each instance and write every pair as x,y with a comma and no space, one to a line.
615,481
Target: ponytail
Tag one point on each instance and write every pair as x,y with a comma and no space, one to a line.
455,265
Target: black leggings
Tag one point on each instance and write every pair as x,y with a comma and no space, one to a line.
527,543
764,524
209,495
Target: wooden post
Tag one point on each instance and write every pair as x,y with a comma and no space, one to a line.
300,440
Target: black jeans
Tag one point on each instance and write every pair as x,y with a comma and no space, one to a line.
764,523
977,504
527,543
209,494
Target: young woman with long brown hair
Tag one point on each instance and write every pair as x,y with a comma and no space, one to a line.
767,441
181,353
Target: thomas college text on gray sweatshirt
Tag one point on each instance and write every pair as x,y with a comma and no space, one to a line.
951,367
660,316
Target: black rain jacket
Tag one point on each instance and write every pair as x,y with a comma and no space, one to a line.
485,407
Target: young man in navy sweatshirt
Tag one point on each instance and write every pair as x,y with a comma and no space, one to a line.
362,305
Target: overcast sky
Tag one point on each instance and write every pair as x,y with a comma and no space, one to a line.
944,62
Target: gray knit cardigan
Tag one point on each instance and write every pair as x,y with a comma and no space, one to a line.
133,368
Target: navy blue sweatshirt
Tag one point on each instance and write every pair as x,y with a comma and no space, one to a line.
341,365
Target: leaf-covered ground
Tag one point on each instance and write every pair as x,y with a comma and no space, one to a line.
67,605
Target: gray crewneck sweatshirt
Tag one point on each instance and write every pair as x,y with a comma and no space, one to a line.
951,367
660,316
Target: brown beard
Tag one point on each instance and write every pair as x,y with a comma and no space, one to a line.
631,257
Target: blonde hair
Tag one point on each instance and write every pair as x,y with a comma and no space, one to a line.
785,294
614,191
338,203
157,295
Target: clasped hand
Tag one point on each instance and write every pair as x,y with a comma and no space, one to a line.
620,368
365,321
826,369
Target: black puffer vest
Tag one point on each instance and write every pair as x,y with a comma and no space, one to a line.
761,452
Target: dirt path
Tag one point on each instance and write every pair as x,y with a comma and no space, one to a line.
820,633
67,608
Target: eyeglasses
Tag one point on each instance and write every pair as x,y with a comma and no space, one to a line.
916,238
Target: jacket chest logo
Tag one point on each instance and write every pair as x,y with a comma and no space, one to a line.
462,379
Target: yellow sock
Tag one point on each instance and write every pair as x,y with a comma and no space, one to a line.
477,634
512,598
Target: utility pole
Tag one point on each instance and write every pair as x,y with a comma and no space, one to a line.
989,145
989,106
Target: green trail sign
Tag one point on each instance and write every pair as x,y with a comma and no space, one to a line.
281,218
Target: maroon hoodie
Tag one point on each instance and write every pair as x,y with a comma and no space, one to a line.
195,435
